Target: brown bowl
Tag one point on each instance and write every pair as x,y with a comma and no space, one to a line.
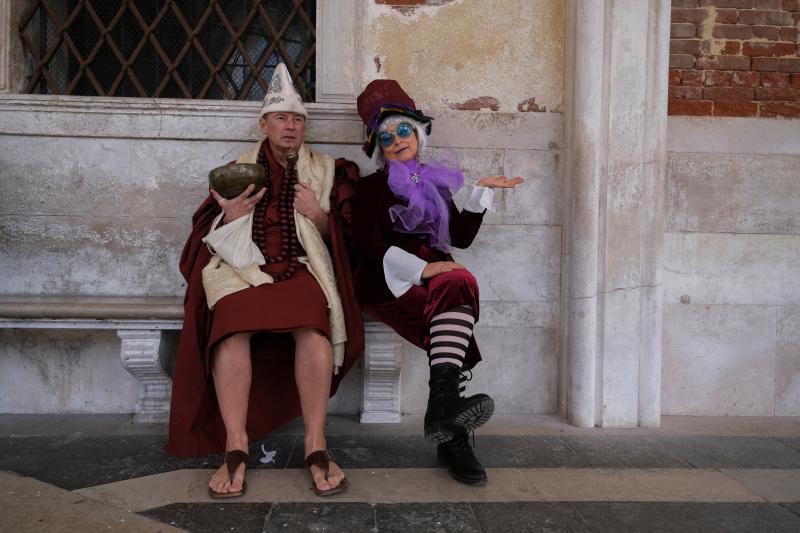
231,180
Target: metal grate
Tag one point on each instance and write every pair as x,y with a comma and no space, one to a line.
169,48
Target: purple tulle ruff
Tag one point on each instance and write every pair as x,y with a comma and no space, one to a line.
428,189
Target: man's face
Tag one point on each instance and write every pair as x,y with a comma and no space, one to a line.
285,130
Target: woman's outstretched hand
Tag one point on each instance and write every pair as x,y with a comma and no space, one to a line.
499,182
239,206
440,267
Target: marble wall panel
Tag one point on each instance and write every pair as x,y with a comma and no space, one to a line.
538,199
519,370
414,380
724,268
719,360
508,131
516,339
119,177
58,176
515,263
91,255
57,371
787,362
475,164
732,135
347,400
735,193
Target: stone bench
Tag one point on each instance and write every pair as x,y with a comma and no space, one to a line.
139,323
145,351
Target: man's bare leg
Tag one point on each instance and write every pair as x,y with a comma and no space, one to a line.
232,371
313,366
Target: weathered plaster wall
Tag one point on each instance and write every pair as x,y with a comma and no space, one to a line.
493,55
103,199
731,343
106,192
56,371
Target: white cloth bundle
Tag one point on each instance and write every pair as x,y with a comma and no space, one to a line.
233,242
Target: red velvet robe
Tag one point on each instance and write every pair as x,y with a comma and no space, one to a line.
195,424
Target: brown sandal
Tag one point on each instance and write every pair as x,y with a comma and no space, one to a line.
232,460
322,459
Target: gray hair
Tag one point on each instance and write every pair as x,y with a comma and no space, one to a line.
391,120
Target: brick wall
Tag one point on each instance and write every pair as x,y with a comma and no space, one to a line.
735,58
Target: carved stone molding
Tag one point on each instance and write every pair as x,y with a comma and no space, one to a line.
338,49
383,358
163,118
141,356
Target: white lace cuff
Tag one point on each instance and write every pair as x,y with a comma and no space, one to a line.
402,270
480,198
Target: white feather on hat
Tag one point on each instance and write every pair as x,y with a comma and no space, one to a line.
282,96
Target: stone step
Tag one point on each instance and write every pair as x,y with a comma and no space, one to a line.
31,505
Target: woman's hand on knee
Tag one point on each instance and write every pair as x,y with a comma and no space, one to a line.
440,267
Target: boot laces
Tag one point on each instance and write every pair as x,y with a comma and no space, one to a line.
460,443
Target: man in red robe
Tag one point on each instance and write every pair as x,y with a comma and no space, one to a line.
264,354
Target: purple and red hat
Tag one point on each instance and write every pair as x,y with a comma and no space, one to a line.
380,99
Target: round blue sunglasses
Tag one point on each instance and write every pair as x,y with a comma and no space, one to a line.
403,131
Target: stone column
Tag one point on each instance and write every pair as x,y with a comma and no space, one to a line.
5,45
617,60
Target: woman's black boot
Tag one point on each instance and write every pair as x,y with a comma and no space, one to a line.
461,463
447,412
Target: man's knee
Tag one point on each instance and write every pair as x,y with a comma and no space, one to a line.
310,338
235,342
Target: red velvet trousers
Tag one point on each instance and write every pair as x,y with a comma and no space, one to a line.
410,314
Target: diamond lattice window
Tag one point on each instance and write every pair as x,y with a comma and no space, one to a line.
169,48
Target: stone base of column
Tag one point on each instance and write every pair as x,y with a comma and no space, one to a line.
141,355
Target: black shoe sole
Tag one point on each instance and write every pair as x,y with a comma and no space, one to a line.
467,481
439,432
475,415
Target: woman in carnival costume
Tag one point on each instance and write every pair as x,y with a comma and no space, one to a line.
404,226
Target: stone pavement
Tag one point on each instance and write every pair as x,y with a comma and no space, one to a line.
102,473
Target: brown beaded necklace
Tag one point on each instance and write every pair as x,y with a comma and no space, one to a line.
290,246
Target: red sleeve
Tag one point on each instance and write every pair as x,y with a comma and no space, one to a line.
344,190
194,247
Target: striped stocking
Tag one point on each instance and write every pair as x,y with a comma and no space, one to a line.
450,334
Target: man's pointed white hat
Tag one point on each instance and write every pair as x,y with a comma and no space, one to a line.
282,96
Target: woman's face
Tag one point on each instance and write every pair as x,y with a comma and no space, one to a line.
403,145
